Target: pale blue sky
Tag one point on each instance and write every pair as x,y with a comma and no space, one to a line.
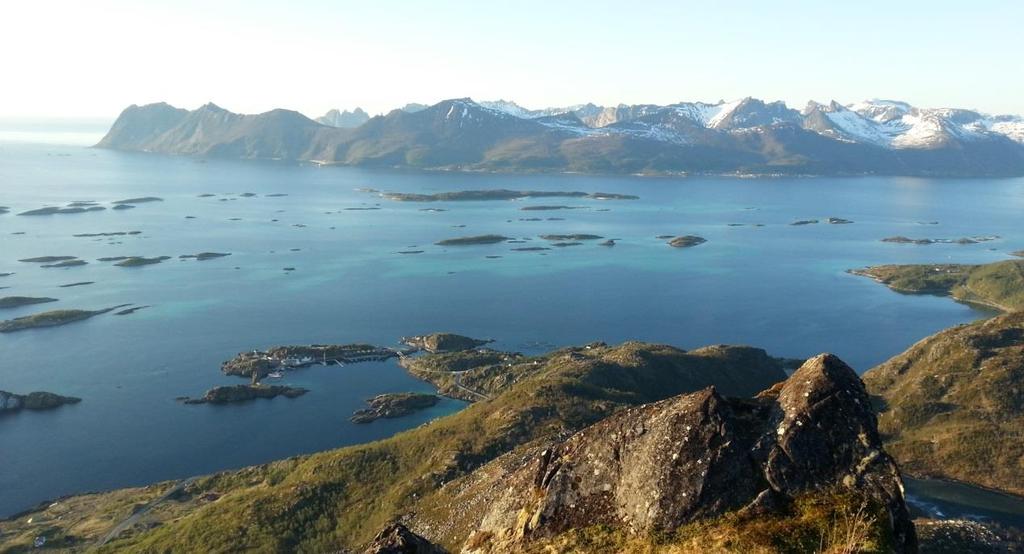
72,58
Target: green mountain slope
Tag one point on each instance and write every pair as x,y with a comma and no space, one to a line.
998,285
952,406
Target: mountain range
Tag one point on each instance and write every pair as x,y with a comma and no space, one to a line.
747,136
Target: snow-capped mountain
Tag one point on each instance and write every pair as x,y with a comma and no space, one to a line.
886,123
747,135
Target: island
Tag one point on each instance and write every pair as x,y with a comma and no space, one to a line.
805,222
139,200
572,237
34,401
258,364
47,259
54,210
998,285
466,241
394,405
8,302
547,208
502,194
66,263
52,318
110,234
443,342
77,284
838,221
138,261
963,240
687,241
232,394
202,256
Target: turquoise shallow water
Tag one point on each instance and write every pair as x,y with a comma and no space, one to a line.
780,287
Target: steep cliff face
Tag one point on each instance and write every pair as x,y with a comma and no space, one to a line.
694,457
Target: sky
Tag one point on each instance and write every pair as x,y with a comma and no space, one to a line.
92,59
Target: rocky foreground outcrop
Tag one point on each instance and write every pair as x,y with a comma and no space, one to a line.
653,468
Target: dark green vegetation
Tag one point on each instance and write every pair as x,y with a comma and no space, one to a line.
232,394
10,402
18,301
137,261
394,405
505,194
999,285
686,241
443,342
952,406
466,241
52,318
755,137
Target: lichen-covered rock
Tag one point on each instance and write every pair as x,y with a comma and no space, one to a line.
398,539
699,455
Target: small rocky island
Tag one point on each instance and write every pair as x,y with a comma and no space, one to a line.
571,237
138,261
502,194
258,364
394,405
443,342
202,256
19,301
687,241
52,318
962,240
10,402
232,394
466,241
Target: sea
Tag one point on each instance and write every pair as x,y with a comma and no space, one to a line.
318,255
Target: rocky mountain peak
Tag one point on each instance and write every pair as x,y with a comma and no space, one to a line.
699,455
396,538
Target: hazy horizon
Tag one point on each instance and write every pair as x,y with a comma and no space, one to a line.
252,57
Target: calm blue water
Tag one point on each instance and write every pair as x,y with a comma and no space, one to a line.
780,287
